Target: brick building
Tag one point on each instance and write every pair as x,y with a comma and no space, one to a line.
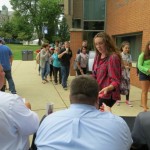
122,19
129,20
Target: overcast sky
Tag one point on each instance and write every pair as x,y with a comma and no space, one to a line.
6,3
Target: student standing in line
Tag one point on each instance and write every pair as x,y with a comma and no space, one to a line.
82,61
65,56
56,66
127,64
144,74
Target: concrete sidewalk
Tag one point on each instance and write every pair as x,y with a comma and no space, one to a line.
29,86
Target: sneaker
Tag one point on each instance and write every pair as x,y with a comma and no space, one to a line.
13,92
118,103
129,104
65,88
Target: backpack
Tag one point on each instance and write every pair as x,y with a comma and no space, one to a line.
75,66
37,58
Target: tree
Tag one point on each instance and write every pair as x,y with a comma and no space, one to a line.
22,27
6,30
39,13
64,33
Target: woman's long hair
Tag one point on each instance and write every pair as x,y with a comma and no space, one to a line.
147,51
109,43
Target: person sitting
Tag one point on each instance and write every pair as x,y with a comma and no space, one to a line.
83,126
141,132
17,121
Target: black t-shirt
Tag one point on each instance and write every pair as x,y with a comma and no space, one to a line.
65,59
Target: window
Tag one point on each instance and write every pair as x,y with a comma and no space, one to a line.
135,41
76,23
93,25
94,9
89,35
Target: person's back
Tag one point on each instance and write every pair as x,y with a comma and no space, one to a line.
141,131
17,123
82,126
6,62
5,54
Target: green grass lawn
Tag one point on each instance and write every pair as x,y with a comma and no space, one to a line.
18,48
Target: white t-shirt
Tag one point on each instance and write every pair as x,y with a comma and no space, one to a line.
17,122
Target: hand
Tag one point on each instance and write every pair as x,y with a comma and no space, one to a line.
28,105
127,67
105,108
81,71
104,91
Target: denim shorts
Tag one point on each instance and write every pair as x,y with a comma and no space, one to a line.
143,77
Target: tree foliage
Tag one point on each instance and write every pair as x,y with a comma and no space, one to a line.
64,33
38,13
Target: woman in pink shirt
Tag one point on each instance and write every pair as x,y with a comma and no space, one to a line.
107,69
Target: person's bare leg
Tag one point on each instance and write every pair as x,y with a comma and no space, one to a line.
145,86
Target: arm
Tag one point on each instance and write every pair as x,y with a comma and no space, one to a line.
78,63
94,67
61,54
140,64
11,60
10,57
42,54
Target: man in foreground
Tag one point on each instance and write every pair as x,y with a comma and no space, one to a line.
17,121
83,126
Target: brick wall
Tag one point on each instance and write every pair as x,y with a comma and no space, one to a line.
123,17
129,16
134,79
76,37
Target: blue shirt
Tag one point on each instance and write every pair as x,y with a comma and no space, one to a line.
5,54
83,127
56,62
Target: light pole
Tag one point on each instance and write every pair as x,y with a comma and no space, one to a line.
44,30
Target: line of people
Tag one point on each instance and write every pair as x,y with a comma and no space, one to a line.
53,61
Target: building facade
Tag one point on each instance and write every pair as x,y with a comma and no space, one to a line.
85,19
129,20
124,20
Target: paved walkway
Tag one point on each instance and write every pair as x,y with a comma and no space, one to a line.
28,85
